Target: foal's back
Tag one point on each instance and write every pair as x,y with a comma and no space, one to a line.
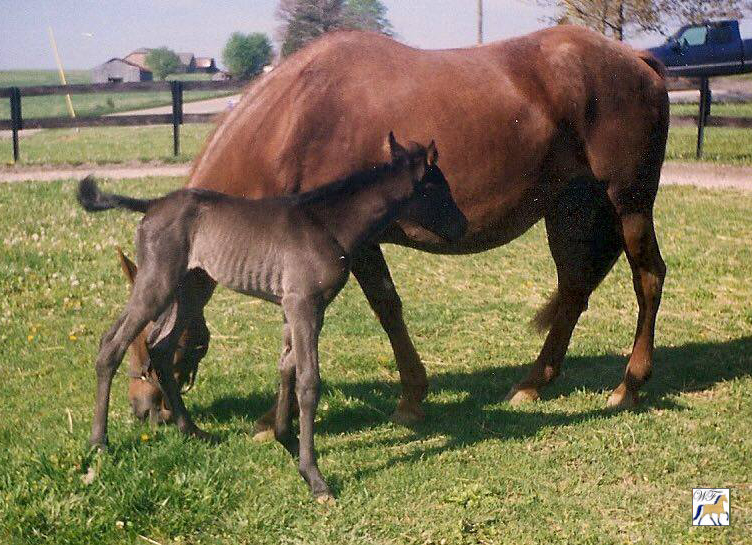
260,247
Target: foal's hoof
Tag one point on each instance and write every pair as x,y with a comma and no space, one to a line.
200,434
325,498
622,399
264,436
408,412
520,396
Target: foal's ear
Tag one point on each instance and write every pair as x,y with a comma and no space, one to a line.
432,154
395,150
128,266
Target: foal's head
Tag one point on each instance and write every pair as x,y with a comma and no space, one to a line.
144,395
432,207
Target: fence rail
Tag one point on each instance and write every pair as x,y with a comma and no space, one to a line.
17,123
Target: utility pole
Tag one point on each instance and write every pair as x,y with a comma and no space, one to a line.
62,73
480,22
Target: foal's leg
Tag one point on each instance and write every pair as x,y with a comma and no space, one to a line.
139,311
305,319
585,241
648,273
284,408
162,344
370,269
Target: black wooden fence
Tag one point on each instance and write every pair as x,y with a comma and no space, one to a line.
17,122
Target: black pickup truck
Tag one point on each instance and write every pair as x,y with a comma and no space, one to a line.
707,49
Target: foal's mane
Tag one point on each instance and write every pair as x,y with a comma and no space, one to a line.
349,184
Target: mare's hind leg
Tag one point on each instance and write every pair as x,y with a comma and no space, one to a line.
585,241
648,273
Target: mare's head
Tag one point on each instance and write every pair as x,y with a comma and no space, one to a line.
144,395
432,207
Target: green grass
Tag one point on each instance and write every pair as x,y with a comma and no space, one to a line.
89,104
477,471
742,109
722,145
106,145
126,144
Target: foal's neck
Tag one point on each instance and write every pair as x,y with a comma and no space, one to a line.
354,217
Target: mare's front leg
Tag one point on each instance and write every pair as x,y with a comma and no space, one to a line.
370,269
305,318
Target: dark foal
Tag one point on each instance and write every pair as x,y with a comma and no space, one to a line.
294,251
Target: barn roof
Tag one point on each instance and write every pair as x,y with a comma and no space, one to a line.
126,62
185,58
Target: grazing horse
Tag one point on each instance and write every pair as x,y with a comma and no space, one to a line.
294,251
144,394
563,125
716,508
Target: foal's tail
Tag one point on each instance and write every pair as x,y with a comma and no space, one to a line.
94,200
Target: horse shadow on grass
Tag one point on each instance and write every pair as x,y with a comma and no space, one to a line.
473,411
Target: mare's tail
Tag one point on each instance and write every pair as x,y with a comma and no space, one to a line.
94,200
699,508
544,318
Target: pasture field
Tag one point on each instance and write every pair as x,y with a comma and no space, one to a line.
127,144
562,470
90,104
731,109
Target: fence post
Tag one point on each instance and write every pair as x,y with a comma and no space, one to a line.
176,87
15,119
702,119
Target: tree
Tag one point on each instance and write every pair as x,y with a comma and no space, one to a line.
246,54
162,62
304,20
366,15
619,18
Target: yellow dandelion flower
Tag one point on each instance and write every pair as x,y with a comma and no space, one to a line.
144,437
30,338
72,337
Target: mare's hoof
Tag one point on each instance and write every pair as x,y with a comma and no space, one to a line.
325,498
519,397
622,399
264,436
408,413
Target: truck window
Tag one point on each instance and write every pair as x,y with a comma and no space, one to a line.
695,35
720,34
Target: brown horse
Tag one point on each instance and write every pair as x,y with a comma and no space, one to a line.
144,394
562,124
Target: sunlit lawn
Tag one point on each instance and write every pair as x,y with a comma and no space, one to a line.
477,471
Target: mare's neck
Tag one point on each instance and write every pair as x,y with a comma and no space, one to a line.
354,217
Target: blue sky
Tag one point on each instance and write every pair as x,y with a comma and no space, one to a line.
89,32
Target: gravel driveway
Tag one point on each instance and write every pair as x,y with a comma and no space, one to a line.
697,174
